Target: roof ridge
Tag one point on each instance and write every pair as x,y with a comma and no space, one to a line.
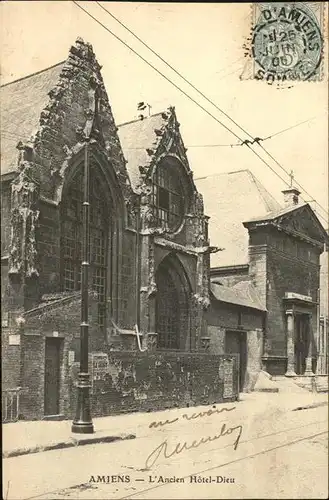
272,214
261,188
140,119
32,74
222,173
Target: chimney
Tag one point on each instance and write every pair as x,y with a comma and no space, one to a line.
291,196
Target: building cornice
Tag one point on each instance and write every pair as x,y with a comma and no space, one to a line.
297,234
229,269
180,248
252,226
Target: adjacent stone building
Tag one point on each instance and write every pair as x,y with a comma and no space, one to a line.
149,252
275,250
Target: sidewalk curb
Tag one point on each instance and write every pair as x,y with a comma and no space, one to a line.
311,406
267,389
70,443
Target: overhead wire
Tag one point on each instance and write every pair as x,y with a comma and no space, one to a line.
171,67
156,69
246,142
288,128
255,140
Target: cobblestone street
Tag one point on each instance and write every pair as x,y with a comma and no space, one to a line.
276,438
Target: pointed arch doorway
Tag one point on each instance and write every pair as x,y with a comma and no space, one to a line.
172,305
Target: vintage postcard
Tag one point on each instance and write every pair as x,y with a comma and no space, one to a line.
164,250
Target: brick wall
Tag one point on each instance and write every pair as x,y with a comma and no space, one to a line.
232,316
33,376
33,368
141,382
10,360
222,317
222,314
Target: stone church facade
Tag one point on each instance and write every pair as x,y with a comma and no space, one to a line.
149,250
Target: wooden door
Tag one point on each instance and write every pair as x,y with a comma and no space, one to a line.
235,343
301,343
52,376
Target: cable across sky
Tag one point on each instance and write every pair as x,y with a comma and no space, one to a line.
248,143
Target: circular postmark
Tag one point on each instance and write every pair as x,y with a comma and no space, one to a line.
287,43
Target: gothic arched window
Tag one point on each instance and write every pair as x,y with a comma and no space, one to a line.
71,238
172,305
167,311
168,196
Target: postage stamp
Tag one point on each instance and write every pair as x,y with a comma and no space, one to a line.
286,41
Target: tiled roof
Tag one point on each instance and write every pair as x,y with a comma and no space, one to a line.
21,104
229,199
276,213
242,294
135,137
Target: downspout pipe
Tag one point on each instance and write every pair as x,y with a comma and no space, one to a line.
138,265
138,273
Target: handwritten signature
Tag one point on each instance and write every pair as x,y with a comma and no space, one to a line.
193,416
162,449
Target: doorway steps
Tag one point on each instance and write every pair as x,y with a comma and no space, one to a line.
321,383
265,383
315,383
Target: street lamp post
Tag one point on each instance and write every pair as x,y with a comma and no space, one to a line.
82,423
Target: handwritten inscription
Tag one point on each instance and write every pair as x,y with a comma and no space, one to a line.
193,416
164,451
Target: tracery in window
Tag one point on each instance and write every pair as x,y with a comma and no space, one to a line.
172,305
167,312
168,198
72,234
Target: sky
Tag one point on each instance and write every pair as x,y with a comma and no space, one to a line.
205,43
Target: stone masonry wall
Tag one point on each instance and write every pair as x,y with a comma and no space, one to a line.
223,317
11,363
286,273
141,382
5,217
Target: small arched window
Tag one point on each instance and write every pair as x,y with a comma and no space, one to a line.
72,234
168,197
